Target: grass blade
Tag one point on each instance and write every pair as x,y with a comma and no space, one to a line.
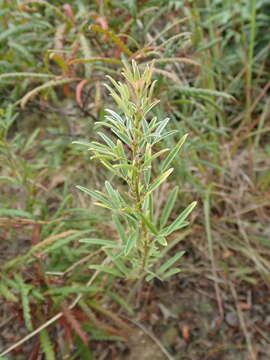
46,345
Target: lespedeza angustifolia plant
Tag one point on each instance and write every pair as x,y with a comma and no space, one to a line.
130,156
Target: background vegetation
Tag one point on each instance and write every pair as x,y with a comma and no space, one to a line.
212,71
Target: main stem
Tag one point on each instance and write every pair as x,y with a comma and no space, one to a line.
136,182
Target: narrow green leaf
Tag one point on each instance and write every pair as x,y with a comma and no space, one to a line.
21,28
16,213
148,207
149,277
121,301
121,136
164,136
111,207
7,294
95,59
87,52
152,275
130,216
113,123
102,242
168,207
119,100
66,290
131,241
120,229
97,195
162,240
83,351
160,179
161,126
115,115
150,106
153,123
122,158
112,193
192,91
154,156
27,75
173,227
123,166
184,214
38,295
171,272
59,243
147,159
118,262
107,269
110,167
120,150
118,132
81,142
172,154
179,222
107,140
101,149
170,262
145,126
49,84
149,224
9,179
29,143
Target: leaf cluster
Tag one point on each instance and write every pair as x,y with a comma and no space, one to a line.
130,156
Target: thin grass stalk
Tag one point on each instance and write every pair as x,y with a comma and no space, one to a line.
207,215
250,61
